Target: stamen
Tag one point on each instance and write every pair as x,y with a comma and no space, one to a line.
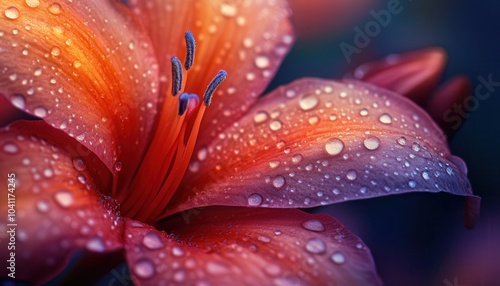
176,75
212,86
190,48
185,100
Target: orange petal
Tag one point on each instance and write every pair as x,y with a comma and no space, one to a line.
317,142
248,39
83,68
414,74
53,207
241,246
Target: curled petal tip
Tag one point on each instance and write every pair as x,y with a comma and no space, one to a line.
413,74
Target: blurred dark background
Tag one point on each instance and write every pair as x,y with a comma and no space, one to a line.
419,239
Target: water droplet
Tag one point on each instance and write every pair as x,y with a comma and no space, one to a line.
18,101
415,146
449,170
338,257
297,158
79,164
308,101
255,200
363,112
55,8
371,143
216,268
40,111
290,93
334,146
262,62
272,269
11,13
278,181
274,164
264,238
64,198
275,125
144,268
152,241
260,116
55,51
316,246
313,225
401,141
412,184
77,64
95,244
10,148
351,174
177,251
179,275
33,3
118,165
228,10
42,206
385,118
81,178
313,120
425,175
202,153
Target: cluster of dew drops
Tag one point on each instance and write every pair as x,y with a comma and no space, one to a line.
146,268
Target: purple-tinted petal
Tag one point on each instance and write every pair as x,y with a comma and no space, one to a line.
242,246
316,142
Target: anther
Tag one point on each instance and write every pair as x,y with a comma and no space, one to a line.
184,99
176,75
212,86
190,49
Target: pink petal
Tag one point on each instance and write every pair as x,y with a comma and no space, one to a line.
414,74
241,246
83,68
317,142
440,106
58,210
248,39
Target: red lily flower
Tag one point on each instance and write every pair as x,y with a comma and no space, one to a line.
108,167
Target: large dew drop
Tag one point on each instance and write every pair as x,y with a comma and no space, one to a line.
11,13
144,268
254,200
315,246
313,225
64,198
308,101
152,241
371,143
334,146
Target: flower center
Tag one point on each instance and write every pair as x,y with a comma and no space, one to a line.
172,145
